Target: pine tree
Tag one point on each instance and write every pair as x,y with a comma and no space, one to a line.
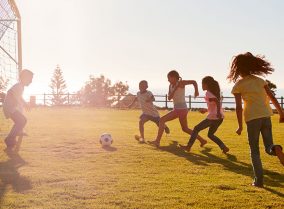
58,87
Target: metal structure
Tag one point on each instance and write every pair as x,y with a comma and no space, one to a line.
10,41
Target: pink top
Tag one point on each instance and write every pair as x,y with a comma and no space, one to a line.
212,107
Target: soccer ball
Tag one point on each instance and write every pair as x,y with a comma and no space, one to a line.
106,140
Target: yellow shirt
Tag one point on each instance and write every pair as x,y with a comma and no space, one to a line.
256,101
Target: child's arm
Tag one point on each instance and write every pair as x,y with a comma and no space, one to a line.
20,100
151,99
171,94
239,112
183,83
218,106
25,104
134,100
275,103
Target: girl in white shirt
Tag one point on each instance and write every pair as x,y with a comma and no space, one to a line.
177,93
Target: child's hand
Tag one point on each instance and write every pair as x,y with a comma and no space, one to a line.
239,130
27,107
219,116
196,94
202,110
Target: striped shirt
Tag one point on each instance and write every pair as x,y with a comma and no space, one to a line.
147,107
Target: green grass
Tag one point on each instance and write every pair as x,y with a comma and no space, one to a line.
62,165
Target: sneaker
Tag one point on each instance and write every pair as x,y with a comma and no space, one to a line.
137,137
185,147
167,130
225,150
259,185
279,153
155,143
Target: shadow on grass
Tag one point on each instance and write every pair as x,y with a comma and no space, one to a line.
9,175
109,148
272,179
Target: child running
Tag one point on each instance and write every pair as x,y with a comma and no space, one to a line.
177,93
215,115
149,112
13,107
256,95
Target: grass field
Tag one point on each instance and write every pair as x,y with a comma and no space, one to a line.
62,165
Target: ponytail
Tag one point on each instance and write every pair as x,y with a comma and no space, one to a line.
213,86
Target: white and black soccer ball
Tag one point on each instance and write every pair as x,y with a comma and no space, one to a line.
106,140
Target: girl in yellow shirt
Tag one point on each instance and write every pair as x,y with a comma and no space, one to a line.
256,95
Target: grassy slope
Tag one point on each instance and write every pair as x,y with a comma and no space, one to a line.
66,167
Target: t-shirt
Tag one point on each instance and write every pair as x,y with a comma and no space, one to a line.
148,108
256,101
178,97
212,106
13,100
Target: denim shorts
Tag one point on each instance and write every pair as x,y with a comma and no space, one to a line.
155,119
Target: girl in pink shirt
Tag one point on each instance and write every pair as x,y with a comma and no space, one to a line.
215,115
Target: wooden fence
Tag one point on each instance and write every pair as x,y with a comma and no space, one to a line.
160,100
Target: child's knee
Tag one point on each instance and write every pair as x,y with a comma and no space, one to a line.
141,122
186,130
210,135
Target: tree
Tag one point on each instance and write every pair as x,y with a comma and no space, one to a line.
120,89
99,92
272,86
58,87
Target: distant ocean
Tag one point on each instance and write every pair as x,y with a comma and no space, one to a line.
199,102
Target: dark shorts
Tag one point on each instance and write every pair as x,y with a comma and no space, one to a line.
151,118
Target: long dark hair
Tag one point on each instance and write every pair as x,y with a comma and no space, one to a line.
248,64
175,74
213,86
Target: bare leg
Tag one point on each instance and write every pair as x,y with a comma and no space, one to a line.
141,127
19,142
184,126
168,117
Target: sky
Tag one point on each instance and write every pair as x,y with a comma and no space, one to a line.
133,40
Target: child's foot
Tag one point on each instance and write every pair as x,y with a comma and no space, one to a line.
155,143
259,185
225,150
137,137
167,130
185,147
280,154
203,142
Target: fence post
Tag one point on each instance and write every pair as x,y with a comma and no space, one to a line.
282,102
189,101
68,98
44,99
166,101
